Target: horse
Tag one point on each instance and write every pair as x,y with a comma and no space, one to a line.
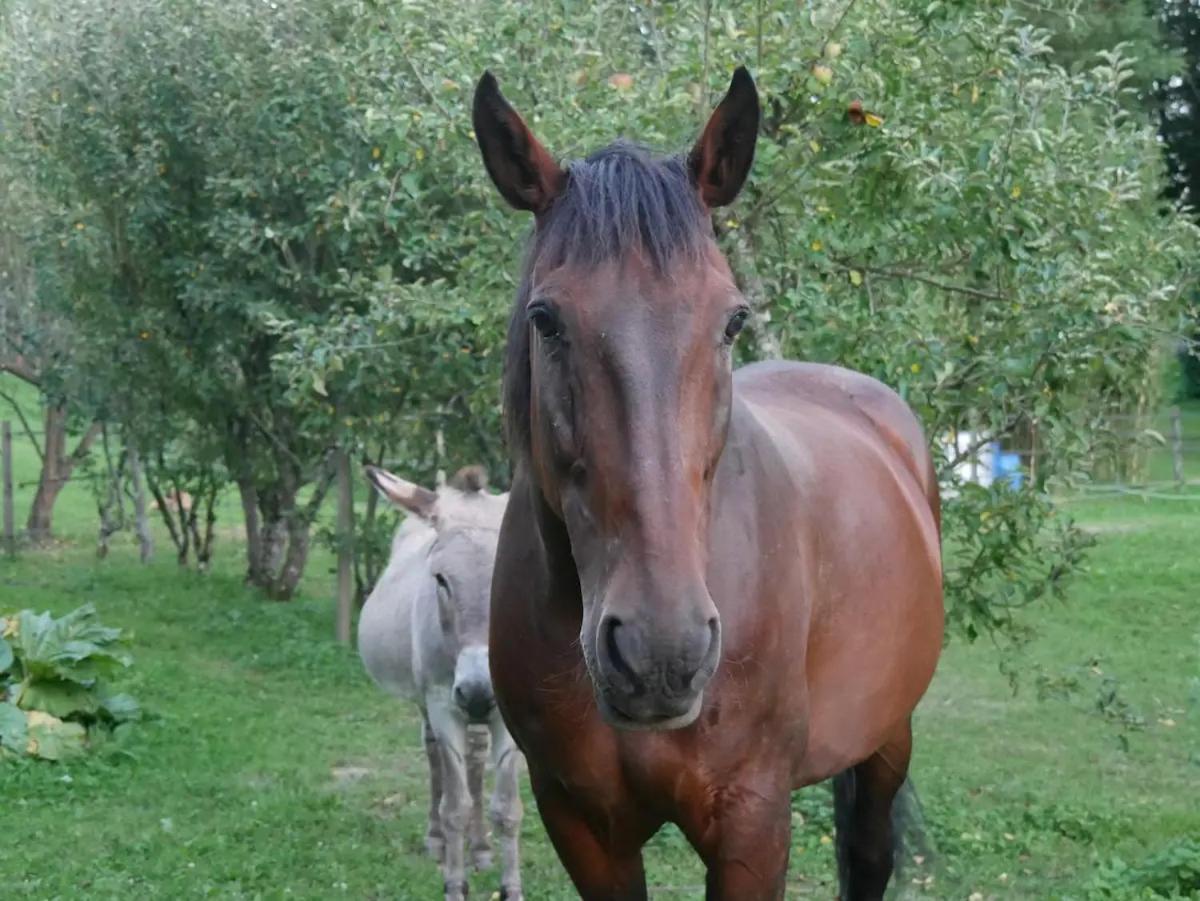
423,636
711,587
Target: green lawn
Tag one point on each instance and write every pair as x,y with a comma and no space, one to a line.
273,768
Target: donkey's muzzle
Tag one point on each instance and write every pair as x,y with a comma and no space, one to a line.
475,699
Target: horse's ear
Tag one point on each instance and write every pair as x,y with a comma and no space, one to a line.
407,496
521,168
721,159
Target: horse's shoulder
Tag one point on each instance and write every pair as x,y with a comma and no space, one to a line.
799,391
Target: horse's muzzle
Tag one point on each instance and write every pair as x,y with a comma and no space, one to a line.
654,678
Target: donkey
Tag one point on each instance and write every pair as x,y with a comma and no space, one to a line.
423,636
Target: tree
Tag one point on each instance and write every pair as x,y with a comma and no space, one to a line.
276,226
1179,126
35,348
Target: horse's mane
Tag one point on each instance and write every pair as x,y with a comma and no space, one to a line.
621,200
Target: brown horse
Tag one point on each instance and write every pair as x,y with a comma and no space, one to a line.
711,587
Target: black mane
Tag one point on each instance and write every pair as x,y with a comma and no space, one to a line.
623,200
619,201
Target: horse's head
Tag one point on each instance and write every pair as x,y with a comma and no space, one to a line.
466,520
619,385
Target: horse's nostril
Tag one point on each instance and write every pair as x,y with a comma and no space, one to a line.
616,658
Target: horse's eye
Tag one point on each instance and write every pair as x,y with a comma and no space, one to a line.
735,324
544,320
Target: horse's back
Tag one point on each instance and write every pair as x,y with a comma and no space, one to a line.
849,393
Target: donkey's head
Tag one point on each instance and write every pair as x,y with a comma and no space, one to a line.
466,520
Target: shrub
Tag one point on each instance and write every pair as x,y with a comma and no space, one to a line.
1172,872
54,700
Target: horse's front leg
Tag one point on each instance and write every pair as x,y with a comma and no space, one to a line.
506,809
744,838
455,809
603,859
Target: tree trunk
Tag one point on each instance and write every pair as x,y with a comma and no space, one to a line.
141,523
277,530
56,471
254,548
111,505
283,587
345,525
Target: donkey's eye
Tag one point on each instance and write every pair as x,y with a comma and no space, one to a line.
735,324
443,585
542,318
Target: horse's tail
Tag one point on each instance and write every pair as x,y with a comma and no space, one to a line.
909,836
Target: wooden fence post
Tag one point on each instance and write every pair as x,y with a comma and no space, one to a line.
345,545
1177,446
10,533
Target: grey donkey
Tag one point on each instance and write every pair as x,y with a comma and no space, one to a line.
423,636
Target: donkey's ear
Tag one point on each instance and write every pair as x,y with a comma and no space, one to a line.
526,175
405,495
721,159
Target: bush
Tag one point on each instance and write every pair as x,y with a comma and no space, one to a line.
1189,364
1173,872
54,701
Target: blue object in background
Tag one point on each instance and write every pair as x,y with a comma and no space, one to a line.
1007,468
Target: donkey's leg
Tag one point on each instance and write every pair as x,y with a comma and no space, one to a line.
455,808
863,797
745,841
604,866
506,809
435,842
477,752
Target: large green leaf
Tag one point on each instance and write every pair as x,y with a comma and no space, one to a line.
74,647
13,728
59,697
6,656
52,739
121,708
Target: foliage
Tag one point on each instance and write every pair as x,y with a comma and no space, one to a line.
52,682
1179,123
1080,29
1189,365
989,241
1171,872
274,225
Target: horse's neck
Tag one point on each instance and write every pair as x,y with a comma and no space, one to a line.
554,544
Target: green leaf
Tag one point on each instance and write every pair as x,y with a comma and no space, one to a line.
52,739
74,647
13,728
6,656
59,697
121,708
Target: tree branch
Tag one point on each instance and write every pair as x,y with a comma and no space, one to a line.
909,275
84,445
29,433
19,366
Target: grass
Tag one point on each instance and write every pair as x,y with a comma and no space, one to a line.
272,768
